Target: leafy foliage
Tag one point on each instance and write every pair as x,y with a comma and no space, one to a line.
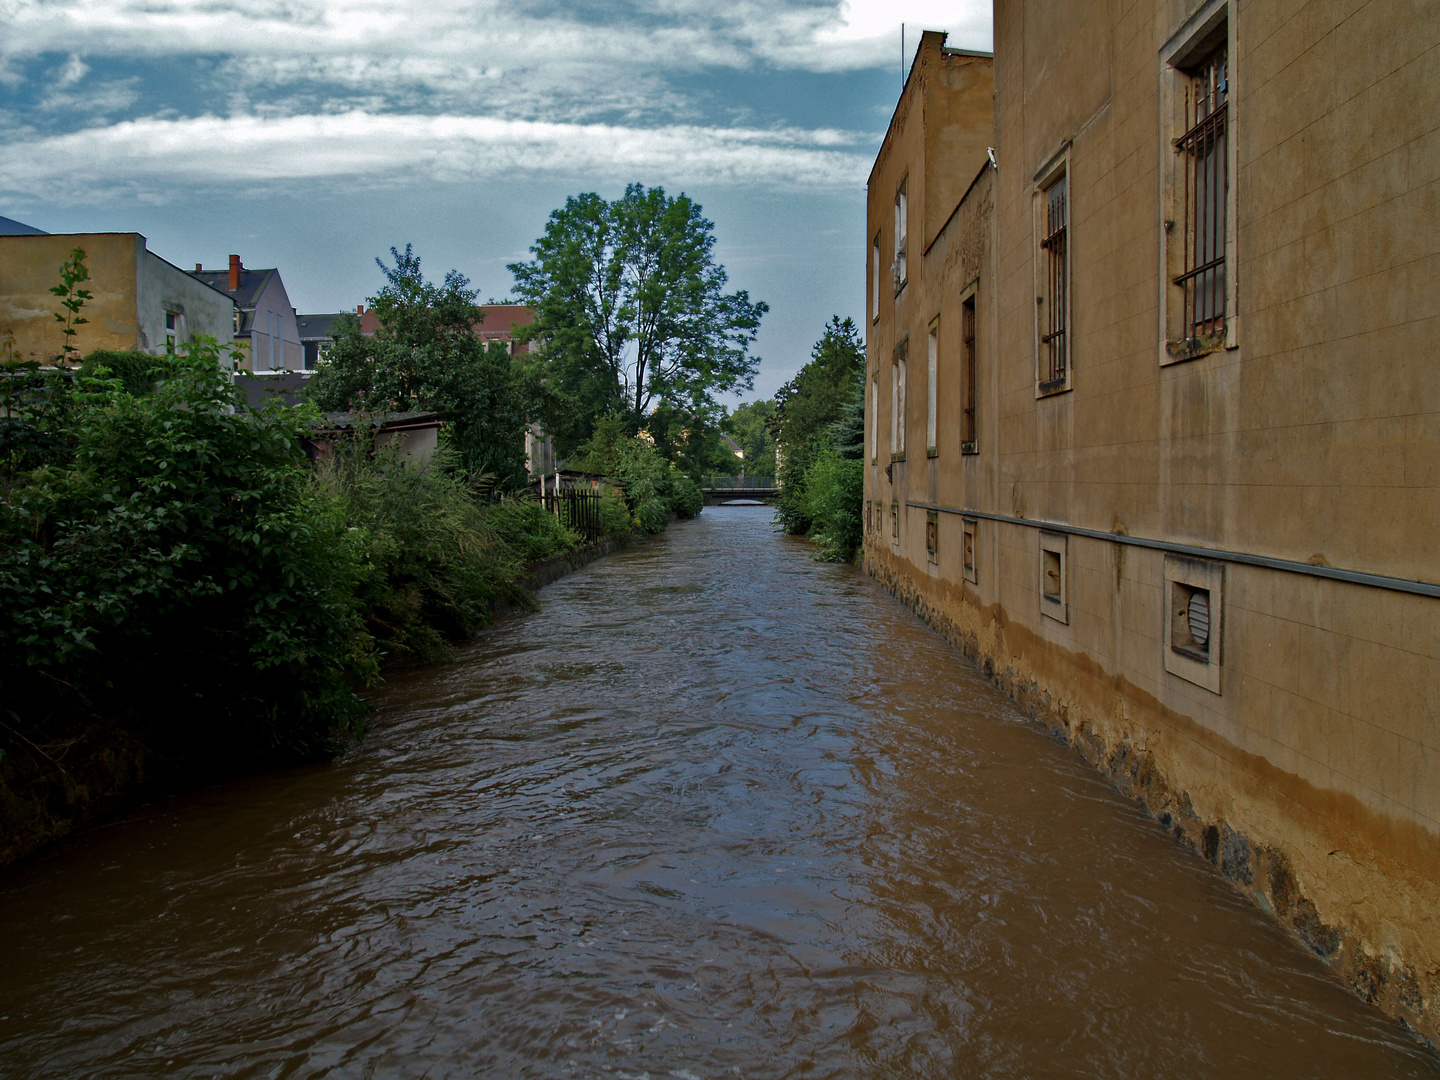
73,273
136,370
427,356
631,310
653,486
177,562
834,500
807,410
751,425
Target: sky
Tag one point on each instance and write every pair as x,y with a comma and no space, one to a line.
313,135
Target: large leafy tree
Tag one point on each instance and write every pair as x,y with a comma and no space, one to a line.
632,312
426,355
812,418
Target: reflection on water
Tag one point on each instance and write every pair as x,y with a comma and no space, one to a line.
715,811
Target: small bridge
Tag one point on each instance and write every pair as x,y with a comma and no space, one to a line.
720,490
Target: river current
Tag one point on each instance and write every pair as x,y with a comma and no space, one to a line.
716,810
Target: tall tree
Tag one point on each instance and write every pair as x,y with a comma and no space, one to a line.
631,309
427,355
807,411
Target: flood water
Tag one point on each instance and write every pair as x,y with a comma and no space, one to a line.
715,811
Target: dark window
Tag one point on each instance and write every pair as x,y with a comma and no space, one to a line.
1205,178
932,536
1054,338
969,442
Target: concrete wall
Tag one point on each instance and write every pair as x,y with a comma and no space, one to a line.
30,266
132,290
161,289
1303,756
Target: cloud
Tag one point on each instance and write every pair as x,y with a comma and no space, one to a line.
151,156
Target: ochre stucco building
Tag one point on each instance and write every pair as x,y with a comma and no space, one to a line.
1173,481
139,301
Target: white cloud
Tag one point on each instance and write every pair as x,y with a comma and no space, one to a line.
152,156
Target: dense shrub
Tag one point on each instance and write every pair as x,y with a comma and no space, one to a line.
834,501
530,530
432,564
175,566
136,371
653,487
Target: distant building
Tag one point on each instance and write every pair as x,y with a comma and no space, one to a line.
140,301
264,322
496,322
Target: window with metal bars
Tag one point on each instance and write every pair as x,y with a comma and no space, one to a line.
1205,181
969,440
902,227
1055,306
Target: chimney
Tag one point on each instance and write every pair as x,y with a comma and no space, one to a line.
235,269
359,309
198,268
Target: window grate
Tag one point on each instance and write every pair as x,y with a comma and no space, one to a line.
968,439
1055,340
1206,189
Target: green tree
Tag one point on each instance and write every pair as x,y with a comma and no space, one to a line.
807,410
631,310
751,425
427,356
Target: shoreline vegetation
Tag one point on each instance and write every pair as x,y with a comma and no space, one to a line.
189,596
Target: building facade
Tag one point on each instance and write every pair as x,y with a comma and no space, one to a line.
139,301
1190,520
264,325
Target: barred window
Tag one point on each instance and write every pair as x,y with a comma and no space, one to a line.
969,441
1205,180
1054,318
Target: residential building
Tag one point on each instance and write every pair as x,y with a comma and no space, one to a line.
1190,521
494,322
138,300
264,325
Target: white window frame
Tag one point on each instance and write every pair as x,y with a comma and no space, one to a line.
898,402
900,266
875,418
1055,605
875,272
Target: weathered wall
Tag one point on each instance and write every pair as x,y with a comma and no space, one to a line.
30,266
1311,436
161,288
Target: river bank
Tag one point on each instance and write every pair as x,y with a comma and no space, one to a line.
111,766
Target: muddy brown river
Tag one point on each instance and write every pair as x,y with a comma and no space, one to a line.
715,811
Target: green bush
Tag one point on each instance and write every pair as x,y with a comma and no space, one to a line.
176,566
137,371
532,532
434,564
834,503
653,487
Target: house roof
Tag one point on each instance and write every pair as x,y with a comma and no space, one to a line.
346,421
252,284
320,327
11,227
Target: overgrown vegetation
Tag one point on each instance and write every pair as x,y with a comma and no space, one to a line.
427,356
180,579
653,486
820,427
